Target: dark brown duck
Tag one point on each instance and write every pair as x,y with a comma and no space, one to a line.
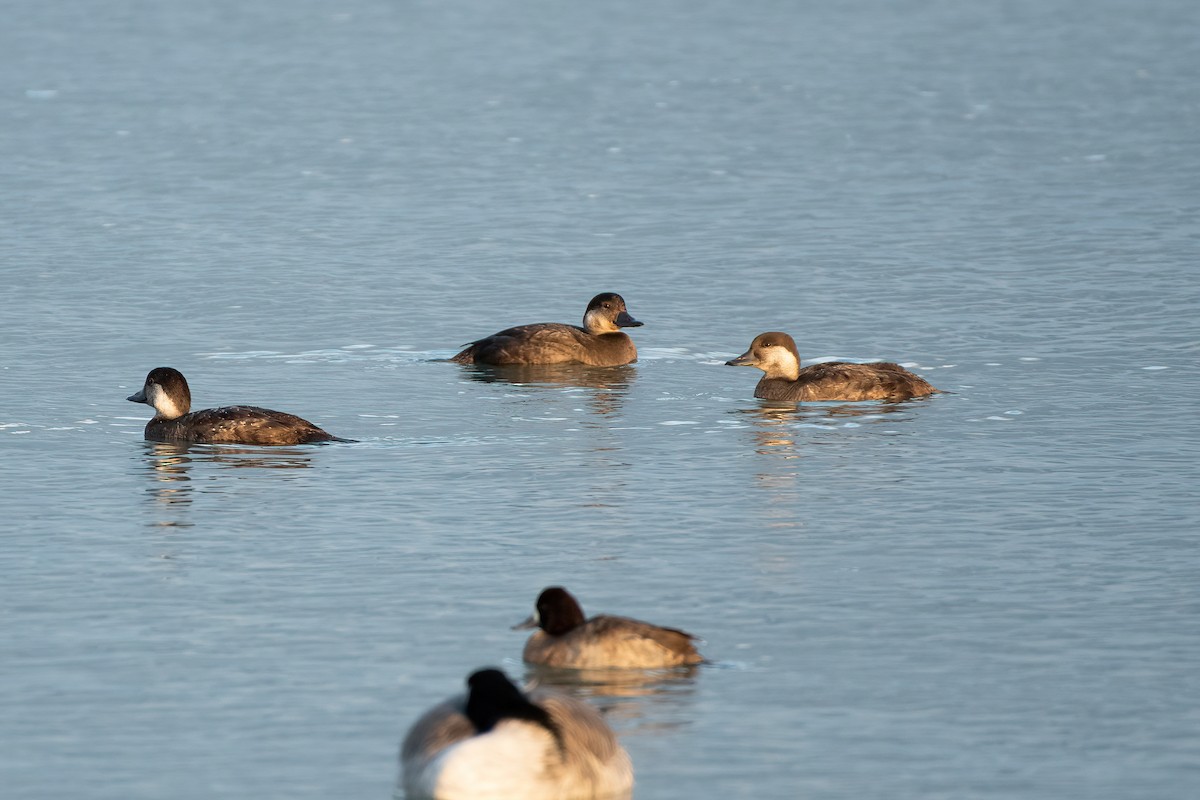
167,392
776,354
600,342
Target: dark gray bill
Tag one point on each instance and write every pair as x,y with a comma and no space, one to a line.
530,622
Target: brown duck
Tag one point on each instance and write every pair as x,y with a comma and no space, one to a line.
568,639
776,354
166,390
599,343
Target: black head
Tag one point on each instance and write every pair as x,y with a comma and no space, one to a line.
492,697
166,390
558,611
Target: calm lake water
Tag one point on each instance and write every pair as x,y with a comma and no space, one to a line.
993,593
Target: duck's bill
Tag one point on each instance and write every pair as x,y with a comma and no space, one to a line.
744,360
530,622
140,397
625,321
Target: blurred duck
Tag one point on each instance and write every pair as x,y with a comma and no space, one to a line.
567,639
497,743
167,392
776,355
599,343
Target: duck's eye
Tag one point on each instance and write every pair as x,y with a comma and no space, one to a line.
608,305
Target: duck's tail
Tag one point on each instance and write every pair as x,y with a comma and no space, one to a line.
467,356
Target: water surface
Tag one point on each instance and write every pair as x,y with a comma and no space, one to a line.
989,593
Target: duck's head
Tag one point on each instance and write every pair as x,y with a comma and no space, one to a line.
492,697
607,314
774,353
556,612
166,391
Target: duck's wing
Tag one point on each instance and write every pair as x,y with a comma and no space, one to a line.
900,383
842,380
437,729
626,629
593,762
539,343
250,425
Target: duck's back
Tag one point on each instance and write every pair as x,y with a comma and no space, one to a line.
444,758
593,762
606,641
237,425
550,343
841,380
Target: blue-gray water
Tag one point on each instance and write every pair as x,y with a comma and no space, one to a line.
993,593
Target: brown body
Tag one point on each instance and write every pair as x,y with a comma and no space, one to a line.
776,355
568,640
236,425
166,390
599,342
608,641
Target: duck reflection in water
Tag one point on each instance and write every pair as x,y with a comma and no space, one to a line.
786,432
776,423
170,464
634,700
608,386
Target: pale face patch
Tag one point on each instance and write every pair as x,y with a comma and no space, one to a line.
597,321
777,360
165,406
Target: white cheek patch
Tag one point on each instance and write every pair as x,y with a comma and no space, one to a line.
157,397
779,361
782,358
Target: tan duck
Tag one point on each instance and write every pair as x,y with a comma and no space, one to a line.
167,392
498,743
567,639
599,343
776,354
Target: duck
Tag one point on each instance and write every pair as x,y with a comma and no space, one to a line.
167,392
775,354
497,742
600,342
567,639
